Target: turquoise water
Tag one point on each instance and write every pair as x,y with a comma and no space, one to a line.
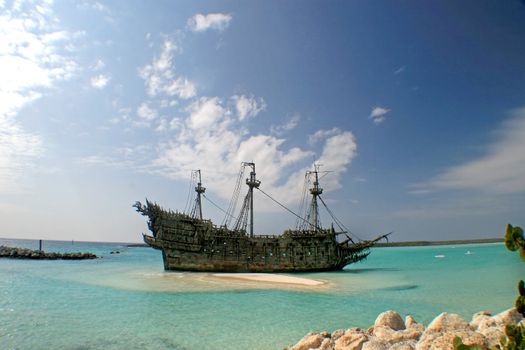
127,301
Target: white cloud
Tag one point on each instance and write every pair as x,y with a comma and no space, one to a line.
34,55
201,22
18,148
99,81
338,152
322,134
159,76
181,87
146,113
378,114
248,106
501,170
98,65
400,70
290,124
209,138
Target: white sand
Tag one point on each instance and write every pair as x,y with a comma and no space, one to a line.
270,278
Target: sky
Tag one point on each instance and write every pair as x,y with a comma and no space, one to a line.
416,110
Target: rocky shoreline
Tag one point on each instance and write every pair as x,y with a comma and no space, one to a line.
391,332
24,253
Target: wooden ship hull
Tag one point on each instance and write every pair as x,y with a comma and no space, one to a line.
190,243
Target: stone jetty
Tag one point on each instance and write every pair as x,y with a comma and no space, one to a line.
391,332
24,253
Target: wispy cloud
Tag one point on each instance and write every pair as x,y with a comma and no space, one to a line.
99,81
400,70
160,78
212,133
209,138
322,134
291,122
247,106
200,22
146,113
32,60
501,170
378,114
98,65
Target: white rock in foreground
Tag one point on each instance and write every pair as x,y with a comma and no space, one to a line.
390,332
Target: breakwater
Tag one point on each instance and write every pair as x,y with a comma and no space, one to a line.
390,331
24,253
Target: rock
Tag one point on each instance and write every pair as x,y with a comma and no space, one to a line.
337,334
444,341
447,322
492,334
352,339
21,253
374,344
405,345
478,317
441,332
410,321
388,335
510,316
327,344
390,319
494,327
310,341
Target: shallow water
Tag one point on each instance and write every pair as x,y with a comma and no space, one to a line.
126,300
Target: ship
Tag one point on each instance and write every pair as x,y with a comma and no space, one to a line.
189,242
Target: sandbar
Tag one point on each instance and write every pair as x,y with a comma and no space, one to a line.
271,278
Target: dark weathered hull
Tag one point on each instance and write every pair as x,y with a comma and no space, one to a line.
251,258
191,244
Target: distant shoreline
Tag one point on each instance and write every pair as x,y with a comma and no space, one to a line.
432,243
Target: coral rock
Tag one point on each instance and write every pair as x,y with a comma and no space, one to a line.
351,340
444,341
390,336
310,341
390,319
447,322
375,344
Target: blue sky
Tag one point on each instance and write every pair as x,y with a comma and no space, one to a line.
416,108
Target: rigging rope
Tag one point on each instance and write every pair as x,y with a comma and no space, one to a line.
298,224
284,207
187,206
235,199
337,221
216,206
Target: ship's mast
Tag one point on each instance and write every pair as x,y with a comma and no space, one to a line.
313,213
252,182
197,210
246,213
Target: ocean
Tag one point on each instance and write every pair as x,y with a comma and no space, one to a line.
127,301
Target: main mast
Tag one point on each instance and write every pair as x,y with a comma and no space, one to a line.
197,209
246,213
315,191
252,182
